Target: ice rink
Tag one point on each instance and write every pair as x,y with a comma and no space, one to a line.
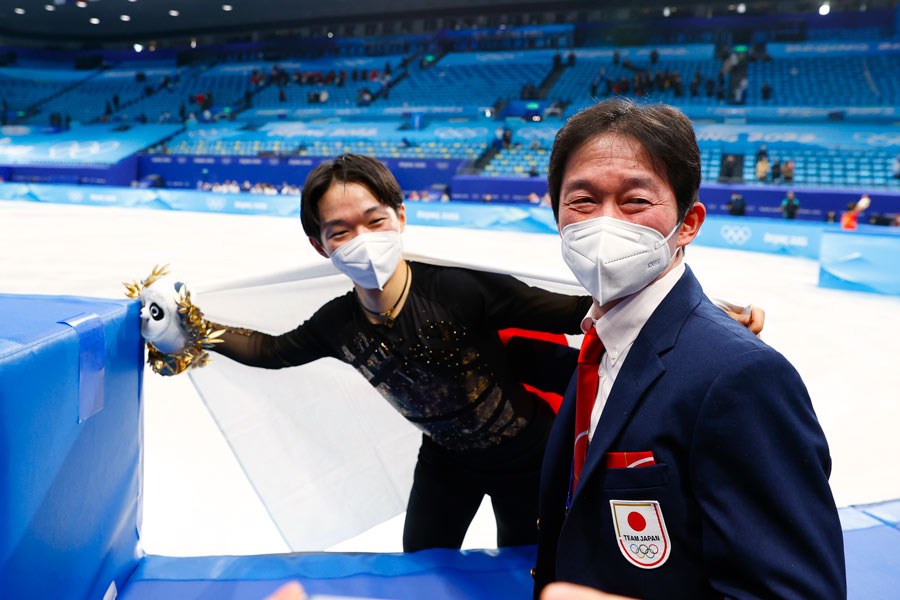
198,500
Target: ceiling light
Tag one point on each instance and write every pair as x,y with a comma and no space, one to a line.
51,8
824,9
226,7
81,4
742,8
125,17
95,21
330,34
138,47
193,43
173,13
667,11
20,11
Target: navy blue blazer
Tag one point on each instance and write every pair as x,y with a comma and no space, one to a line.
740,484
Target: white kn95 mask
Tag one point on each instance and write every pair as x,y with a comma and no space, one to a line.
613,258
369,259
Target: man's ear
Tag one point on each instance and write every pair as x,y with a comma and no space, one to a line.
318,246
691,225
401,216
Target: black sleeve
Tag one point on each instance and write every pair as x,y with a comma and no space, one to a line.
306,343
505,302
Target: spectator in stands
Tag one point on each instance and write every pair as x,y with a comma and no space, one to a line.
730,168
850,217
594,85
616,57
535,144
831,217
557,60
533,198
108,110
695,85
710,88
787,171
896,221
736,205
766,91
790,205
533,172
776,171
507,138
115,99
282,95
762,168
498,138
654,56
762,153
570,58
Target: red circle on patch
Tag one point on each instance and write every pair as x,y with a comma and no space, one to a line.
636,521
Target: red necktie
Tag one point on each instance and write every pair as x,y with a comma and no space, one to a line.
585,397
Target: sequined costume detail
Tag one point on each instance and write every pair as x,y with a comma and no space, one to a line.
441,365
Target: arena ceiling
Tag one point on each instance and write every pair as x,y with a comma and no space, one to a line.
100,19
110,20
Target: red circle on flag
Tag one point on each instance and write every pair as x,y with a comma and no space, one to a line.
636,521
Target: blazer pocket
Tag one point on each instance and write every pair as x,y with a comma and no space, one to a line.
636,478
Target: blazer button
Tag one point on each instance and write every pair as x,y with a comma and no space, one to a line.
533,573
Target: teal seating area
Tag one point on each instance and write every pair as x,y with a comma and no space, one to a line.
468,84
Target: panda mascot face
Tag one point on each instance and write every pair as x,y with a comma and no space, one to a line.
161,323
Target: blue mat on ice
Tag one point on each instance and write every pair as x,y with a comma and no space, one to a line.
434,574
871,541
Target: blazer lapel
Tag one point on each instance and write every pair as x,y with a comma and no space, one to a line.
642,367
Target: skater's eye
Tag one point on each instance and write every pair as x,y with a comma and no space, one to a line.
156,312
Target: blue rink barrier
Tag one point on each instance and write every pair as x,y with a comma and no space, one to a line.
70,445
859,261
70,491
872,269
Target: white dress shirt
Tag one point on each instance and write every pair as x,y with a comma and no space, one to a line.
618,329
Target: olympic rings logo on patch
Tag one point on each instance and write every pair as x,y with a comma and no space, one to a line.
735,234
644,551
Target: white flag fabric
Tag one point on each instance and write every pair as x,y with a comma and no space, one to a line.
327,455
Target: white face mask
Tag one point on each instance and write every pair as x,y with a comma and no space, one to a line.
369,259
613,258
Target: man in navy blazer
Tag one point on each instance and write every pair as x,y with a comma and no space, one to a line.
706,470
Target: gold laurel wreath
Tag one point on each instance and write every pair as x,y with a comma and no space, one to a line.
200,332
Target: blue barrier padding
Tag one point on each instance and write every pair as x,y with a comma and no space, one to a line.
91,361
795,238
860,261
873,563
70,493
886,512
436,574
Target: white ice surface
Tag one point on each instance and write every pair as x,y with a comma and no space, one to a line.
197,500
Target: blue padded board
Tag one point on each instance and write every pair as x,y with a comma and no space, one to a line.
434,574
70,445
872,550
871,543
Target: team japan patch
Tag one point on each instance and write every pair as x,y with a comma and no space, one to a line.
641,532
